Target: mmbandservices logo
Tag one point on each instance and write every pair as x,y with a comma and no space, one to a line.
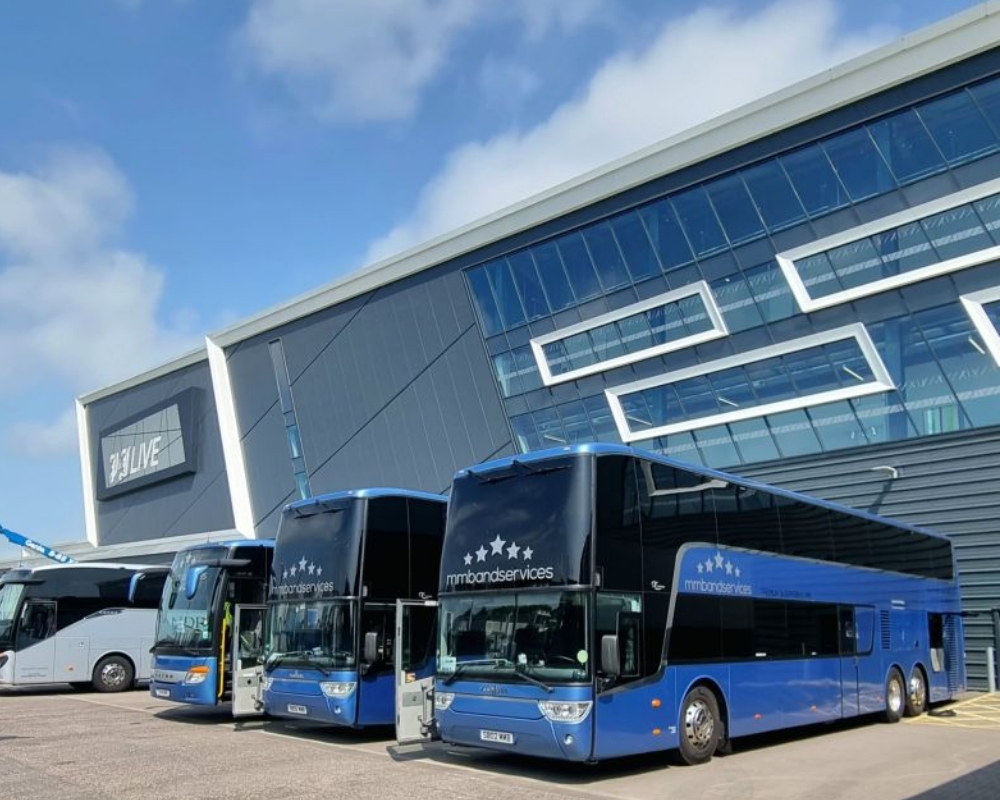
718,575
512,565
302,578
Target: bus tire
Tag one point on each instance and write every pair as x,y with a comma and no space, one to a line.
895,696
700,726
916,695
113,674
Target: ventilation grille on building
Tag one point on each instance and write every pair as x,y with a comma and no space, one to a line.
884,629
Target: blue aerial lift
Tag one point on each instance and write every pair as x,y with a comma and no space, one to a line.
30,544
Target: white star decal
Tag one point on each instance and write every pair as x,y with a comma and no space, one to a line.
512,551
701,568
292,572
737,570
312,569
468,559
480,554
527,553
302,564
719,560
284,575
729,567
497,545
709,566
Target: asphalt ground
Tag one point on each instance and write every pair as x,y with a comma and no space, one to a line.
71,746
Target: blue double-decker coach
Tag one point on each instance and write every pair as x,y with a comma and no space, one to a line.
597,601
344,565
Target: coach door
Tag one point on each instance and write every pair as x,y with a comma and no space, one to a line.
849,676
416,634
248,660
36,642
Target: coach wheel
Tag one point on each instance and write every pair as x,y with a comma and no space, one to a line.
701,726
895,696
916,697
113,674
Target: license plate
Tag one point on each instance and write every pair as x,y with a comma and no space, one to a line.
163,693
496,736
294,709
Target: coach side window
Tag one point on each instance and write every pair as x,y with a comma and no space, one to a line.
38,622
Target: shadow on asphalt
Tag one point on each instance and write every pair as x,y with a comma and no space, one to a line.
575,773
978,785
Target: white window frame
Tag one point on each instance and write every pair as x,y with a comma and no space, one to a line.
974,302
699,288
807,303
882,383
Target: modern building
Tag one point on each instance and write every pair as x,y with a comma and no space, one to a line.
805,290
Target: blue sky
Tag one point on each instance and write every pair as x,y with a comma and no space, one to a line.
168,167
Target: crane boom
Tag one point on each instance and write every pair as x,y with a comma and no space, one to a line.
29,544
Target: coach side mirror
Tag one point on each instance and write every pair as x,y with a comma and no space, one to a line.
191,579
610,660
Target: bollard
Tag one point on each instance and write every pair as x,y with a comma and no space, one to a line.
991,669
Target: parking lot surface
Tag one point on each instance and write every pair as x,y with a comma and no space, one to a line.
76,745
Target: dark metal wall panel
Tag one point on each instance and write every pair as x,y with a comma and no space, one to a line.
186,504
391,389
268,466
947,483
251,376
417,441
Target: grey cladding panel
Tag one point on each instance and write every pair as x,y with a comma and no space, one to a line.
252,378
186,504
268,464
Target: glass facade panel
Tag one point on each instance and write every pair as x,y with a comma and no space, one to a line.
505,293
753,440
666,234
816,184
836,426
553,276
956,232
606,257
522,267
773,195
735,209
987,97
732,295
576,260
698,219
858,163
482,296
770,290
958,127
793,433
635,246
988,210
906,146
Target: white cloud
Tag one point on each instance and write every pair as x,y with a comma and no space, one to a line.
699,66
37,439
76,312
370,60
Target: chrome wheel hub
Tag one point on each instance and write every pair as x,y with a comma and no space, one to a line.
895,693
113,675
699,724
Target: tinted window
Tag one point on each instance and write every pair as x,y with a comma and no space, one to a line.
387,549
426,537
619,554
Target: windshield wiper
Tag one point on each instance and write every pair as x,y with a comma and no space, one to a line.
522,674
482,662
305,655
187,651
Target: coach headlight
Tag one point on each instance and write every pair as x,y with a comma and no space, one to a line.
337,688
196,675
564,710
443,699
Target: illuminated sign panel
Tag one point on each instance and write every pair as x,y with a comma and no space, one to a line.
149,447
